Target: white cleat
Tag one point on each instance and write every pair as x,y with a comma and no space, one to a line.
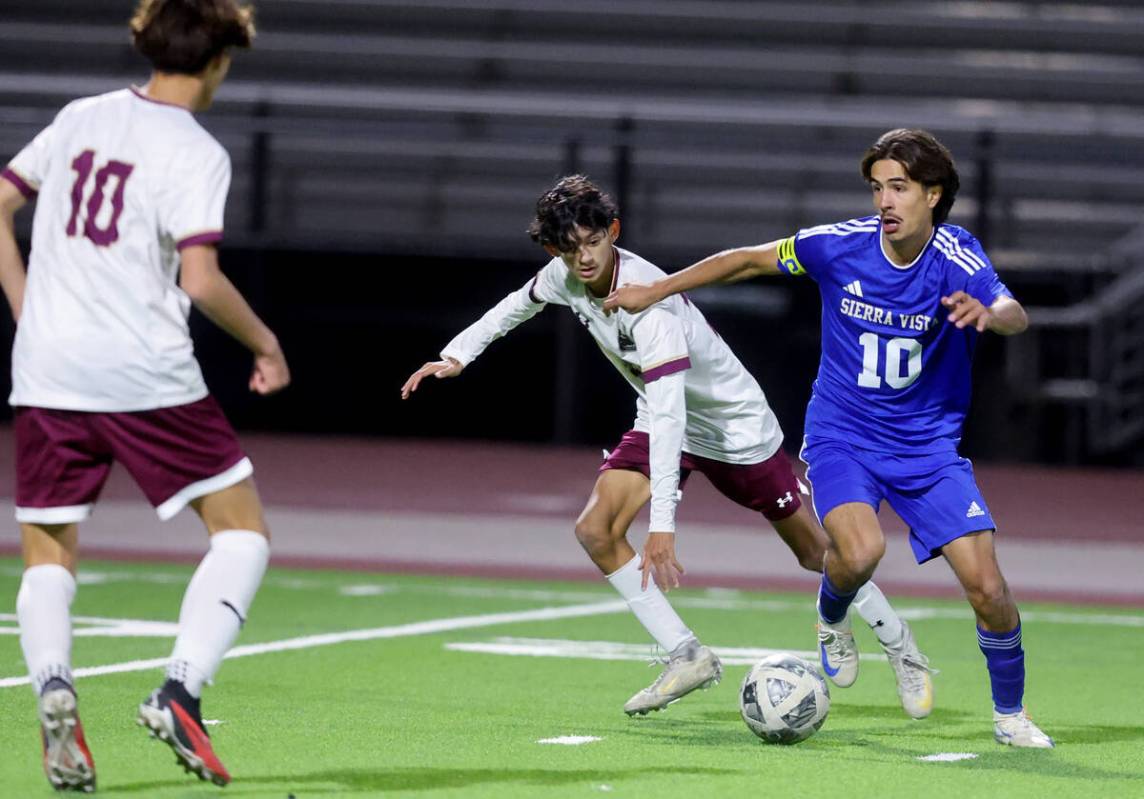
67,760
691,666
838,652
1017,729
912,672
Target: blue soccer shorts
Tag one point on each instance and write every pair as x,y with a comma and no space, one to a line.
934,493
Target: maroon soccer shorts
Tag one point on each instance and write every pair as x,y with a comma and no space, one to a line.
174,454
769,487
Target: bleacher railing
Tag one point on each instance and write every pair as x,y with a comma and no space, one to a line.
1087,359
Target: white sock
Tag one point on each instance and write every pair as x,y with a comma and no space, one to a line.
215,605
650,606
875,610
43,607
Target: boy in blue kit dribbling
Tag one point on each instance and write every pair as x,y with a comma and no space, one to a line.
905,297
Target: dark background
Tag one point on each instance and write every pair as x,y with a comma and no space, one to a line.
387,155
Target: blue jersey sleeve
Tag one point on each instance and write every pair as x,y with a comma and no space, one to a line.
971,269
813,251
789,262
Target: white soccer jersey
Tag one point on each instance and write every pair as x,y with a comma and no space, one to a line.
123,183
694,394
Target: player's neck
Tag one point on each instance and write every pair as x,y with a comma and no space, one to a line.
174,89
905,251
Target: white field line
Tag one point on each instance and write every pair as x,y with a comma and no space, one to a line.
614,650
722,599
127,628
398,631
947,757
107,628
781,606
715,599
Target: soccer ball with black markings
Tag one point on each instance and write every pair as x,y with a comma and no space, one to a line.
784,699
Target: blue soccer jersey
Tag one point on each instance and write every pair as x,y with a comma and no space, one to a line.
895,374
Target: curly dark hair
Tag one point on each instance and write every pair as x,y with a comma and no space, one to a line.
183,36
573,202
925,159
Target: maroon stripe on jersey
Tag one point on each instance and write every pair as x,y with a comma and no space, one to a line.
138,93
17,181
665,369
615,269
211,237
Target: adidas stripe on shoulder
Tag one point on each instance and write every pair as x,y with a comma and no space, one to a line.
948,245
848,228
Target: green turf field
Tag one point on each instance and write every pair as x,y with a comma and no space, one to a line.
441,691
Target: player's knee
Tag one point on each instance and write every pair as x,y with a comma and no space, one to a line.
988,595
810,550
811,559
594,536
251,522
862,556
235,516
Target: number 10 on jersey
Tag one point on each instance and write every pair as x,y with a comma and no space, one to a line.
108,233
897,350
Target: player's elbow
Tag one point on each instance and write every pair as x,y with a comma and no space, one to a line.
1021,322
747,263
1011,319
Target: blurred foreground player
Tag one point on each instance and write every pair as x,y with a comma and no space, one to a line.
698,409
905,298
131,193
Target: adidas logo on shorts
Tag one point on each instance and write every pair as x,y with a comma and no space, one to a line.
974,510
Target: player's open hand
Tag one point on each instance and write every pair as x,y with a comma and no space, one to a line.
967,310
270,373
659,561
450,367
632,297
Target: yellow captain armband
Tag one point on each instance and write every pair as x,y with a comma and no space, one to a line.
788,261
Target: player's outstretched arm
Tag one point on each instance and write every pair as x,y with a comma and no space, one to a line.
466,346
213,294
1005,316
12,273
449,367
729,266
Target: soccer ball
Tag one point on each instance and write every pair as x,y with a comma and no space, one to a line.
784,699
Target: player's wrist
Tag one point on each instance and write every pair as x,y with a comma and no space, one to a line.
267,346
662,289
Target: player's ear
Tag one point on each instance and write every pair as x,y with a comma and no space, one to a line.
555,253
933,196
217,67
614,230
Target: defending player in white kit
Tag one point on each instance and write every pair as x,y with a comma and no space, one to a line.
131,191
697,409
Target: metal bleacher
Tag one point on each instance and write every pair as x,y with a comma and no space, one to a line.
391,120
431,125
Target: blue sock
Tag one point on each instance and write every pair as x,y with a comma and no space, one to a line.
832,603
1005,660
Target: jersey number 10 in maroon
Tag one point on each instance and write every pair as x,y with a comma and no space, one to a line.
83,165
